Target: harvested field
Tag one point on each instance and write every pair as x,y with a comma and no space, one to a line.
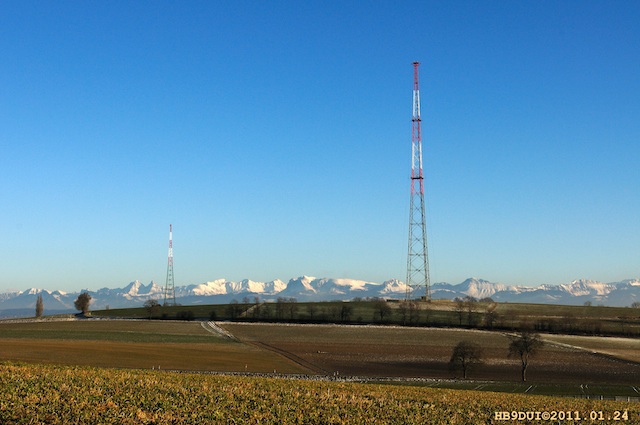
425,352
624,348
109,330
321,349
135,344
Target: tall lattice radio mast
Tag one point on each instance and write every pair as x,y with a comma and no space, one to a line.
417,258
169,288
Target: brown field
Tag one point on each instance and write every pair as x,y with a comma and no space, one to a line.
134,344
425,352
624,348
120,330
202,357
321,349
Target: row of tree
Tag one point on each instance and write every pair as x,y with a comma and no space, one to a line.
288,309
468,355
466,312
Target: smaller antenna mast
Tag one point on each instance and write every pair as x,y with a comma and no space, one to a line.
169,288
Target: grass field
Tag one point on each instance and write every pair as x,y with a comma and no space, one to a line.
64,395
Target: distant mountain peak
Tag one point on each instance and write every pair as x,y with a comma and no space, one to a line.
308,288
583,287
305,278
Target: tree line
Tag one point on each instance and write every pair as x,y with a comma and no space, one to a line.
463,312
467,312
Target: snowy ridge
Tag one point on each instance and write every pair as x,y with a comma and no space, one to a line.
309,288
588,287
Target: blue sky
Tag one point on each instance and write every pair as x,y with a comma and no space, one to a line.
276,137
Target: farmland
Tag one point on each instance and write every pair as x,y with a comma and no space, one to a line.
134,344
581,320
425,352
63,394
565,363
162,371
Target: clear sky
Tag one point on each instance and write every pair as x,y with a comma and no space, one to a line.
276,137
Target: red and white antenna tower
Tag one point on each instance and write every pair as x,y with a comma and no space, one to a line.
169,288
417,258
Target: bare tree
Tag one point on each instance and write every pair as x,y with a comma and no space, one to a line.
470,307
491,316
459,308
624,321
569,322
292,308
39,306
286,305
265,311
255,310
403,309
334,313
234,309
524,345
426,309
280,307
465,356
381,310
153,307
345,312
414,312
82,302
409,312
186,315
312,310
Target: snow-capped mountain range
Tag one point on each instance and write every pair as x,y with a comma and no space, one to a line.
616,294
307,288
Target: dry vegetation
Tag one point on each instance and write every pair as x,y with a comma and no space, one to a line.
63,395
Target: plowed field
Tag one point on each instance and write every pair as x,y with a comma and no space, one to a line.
425,352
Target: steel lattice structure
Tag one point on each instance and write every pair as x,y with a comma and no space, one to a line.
417,258
169,288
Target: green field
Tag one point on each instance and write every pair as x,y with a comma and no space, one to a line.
64,395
